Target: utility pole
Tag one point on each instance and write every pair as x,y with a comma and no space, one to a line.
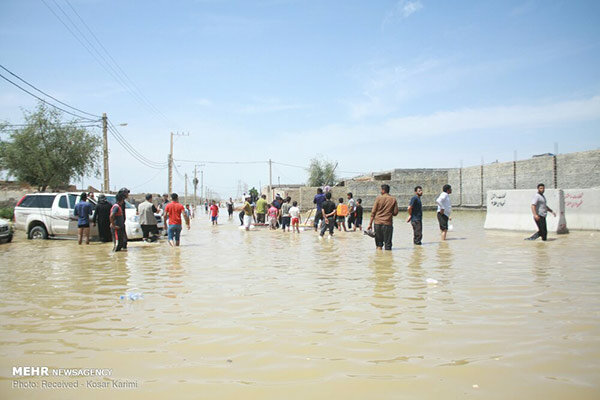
105,151
270,180
201,185
170,184
185,194
195,182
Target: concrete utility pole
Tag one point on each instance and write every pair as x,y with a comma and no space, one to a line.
270,180
195,182
106,187
185,195
201,185
170,184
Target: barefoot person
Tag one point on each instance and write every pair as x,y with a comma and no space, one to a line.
83,210
540,210
444,208
173,212
384,210
415,215
295,215
328,209
117,223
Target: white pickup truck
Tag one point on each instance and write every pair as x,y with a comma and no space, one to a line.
43,215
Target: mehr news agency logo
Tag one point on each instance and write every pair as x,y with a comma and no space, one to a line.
34,371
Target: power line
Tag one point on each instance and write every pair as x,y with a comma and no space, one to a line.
46,94
132,152
116,63
223,162
44,101
100,59
124,141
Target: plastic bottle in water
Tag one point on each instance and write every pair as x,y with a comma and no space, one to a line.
132,296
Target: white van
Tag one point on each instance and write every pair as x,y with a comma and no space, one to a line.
43,215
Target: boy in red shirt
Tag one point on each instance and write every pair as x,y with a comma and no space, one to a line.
173,212
214,213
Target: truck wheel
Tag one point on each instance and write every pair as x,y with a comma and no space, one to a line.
38,232
9,239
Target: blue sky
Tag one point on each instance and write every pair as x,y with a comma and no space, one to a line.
372,85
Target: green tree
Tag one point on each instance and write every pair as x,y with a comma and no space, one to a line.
253,193
48,152
321,172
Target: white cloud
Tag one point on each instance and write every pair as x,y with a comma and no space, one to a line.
462,121
204,102
267,105
401,10
517,116
409,7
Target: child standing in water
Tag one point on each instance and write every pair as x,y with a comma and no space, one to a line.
359,215
214,213
342,211
295,215
272,211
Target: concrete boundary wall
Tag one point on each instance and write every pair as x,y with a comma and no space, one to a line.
582,208
511,210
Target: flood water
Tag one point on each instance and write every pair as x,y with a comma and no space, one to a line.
267,315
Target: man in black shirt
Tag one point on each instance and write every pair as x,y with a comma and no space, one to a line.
415,215
328,212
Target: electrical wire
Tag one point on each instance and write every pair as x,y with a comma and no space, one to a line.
133,154
124,141
115,62
223,162
100,59
46,94
46,102
148,181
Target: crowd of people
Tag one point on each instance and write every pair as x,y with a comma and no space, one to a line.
280,213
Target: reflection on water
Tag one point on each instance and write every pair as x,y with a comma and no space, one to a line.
235,314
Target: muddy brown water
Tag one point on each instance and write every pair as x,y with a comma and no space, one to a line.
234,314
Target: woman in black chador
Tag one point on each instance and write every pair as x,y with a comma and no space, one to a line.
102,218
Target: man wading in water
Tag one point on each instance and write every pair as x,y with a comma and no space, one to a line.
540,209
384,209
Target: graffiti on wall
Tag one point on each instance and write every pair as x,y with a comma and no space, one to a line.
573,200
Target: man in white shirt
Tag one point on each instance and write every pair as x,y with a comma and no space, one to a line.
444,208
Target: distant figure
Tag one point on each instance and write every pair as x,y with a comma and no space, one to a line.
102,218
284,213
384,210
273,213
230,208
341,212
444,208
261,209
328,211
351,210
146,210
359,215
91,196
125,193
165,201
188,211
540,209
83,210
318,200
248,213
117,223
277,203
206,207
214,213
173,212
415,215
295,215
